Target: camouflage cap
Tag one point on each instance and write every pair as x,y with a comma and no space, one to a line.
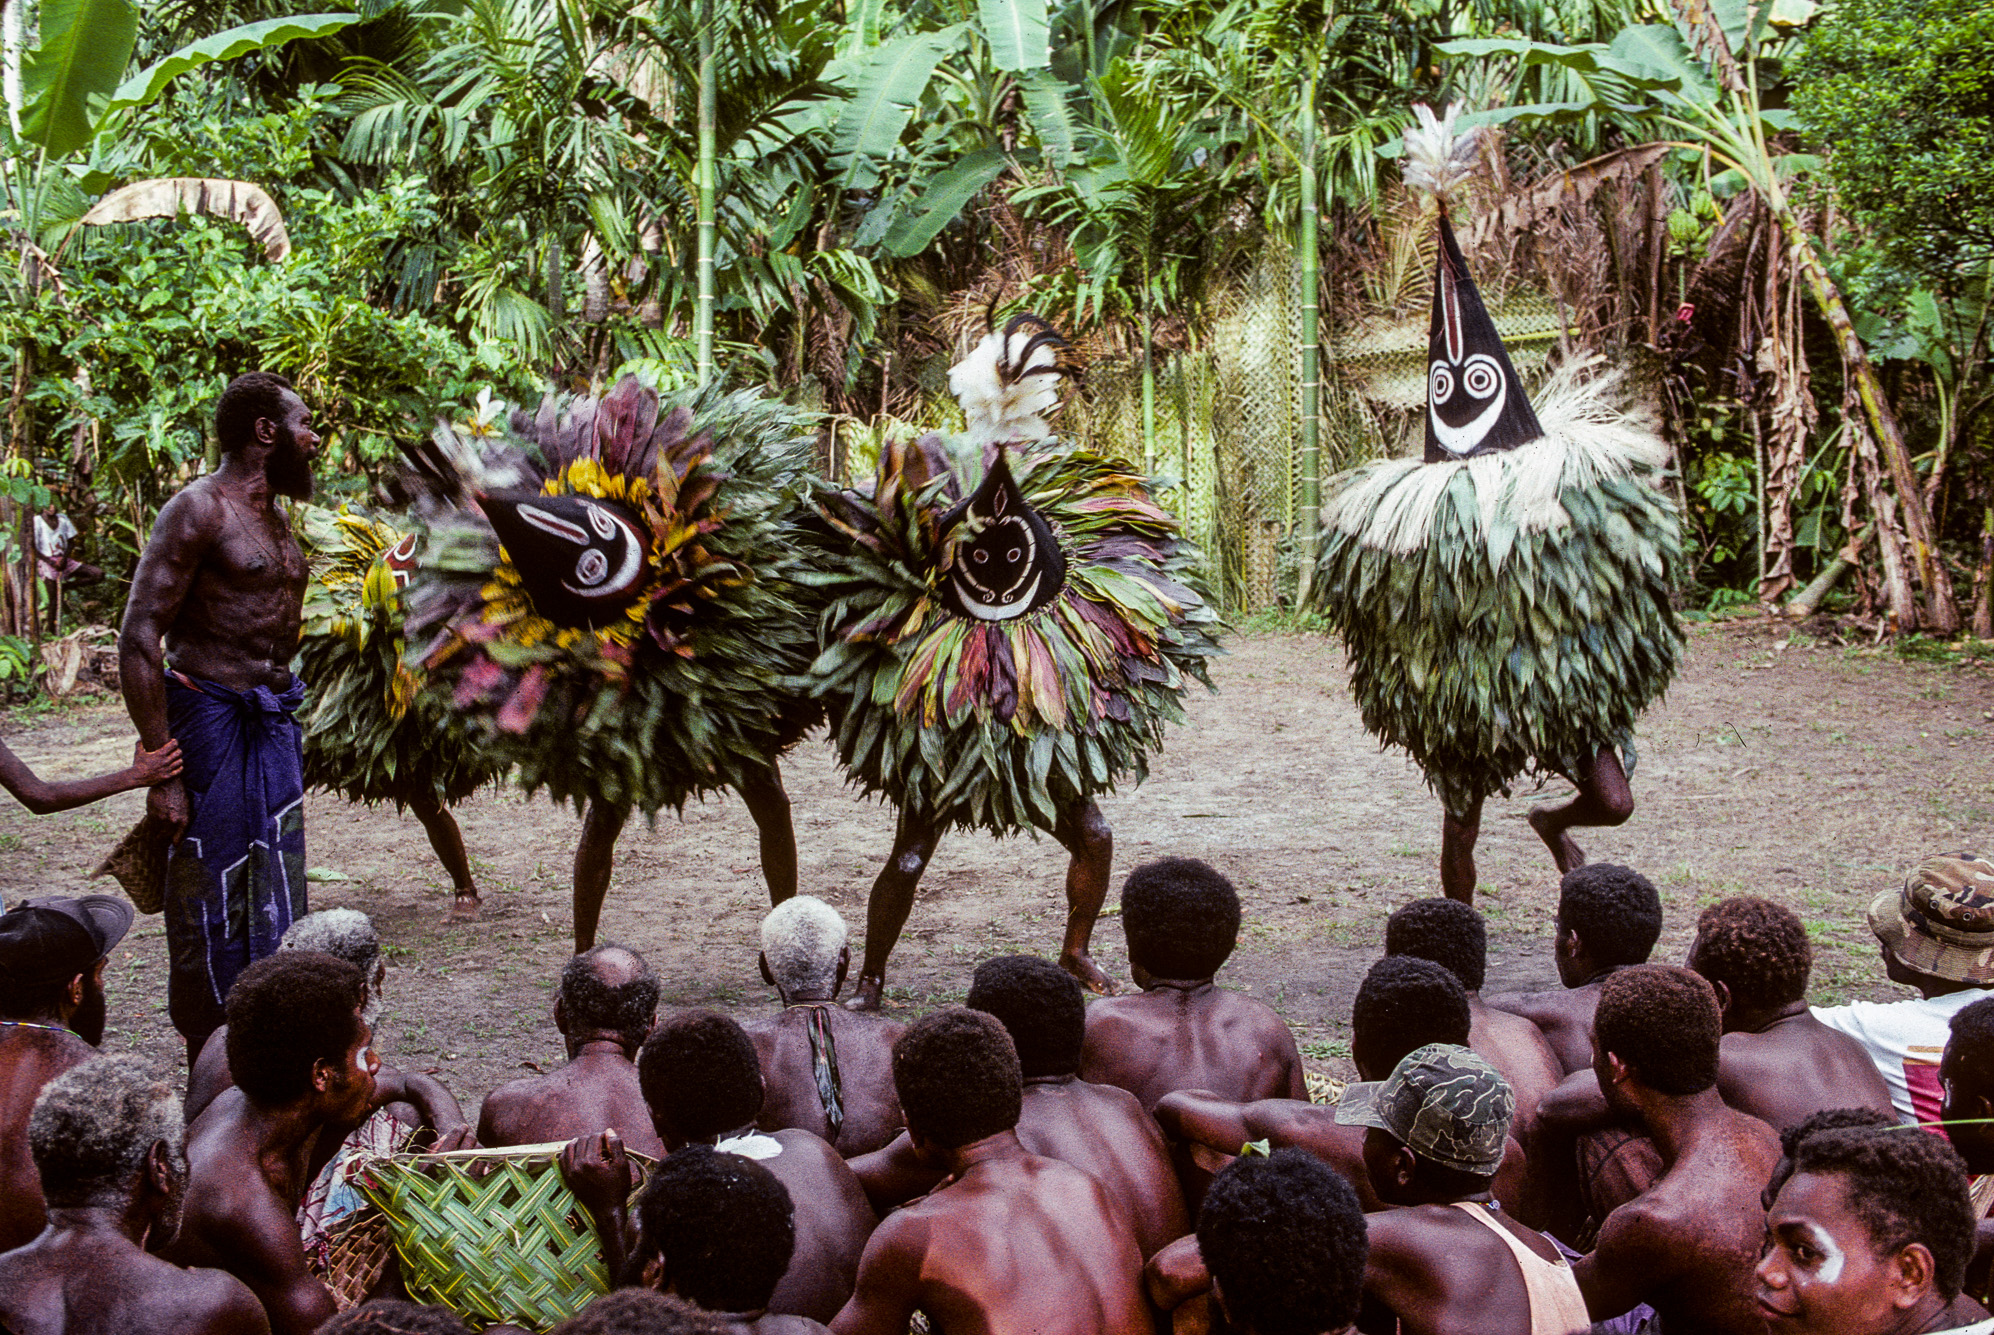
1942,921
1443,1102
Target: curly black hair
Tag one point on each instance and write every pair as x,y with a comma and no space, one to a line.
642,1312
1040,1006
1446,931
1828,1119
590,1000
1403,1004
247,398
699,1074
1181,917
1662,1021
391,1316
1756,948
1284,1238
723,1226
1615,911
1906,1186
286,1012
1973,1037
957,1075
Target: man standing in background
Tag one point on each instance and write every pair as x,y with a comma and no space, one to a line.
221,583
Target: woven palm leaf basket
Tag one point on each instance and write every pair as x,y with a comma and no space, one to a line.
493,1235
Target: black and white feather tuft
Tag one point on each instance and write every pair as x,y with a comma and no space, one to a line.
1010,382
1438,159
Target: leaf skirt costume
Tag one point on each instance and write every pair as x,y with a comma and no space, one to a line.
1505,601
611,601
371,733
1008,630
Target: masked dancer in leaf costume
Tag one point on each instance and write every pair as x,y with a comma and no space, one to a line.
1505,601
371,734
608,599
1009,629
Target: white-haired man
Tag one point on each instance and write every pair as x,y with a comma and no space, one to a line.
109,1141
829,1071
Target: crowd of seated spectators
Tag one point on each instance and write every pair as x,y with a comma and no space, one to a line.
1650,1147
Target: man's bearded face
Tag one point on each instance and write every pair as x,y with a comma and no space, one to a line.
88,1021
290,465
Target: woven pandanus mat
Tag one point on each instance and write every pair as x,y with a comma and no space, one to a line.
493,1235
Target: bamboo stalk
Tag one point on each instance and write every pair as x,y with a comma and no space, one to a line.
1311,486
704,181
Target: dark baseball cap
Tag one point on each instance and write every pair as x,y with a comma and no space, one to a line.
44,945
1443,1102
106,917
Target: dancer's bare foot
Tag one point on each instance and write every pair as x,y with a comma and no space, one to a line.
1564,851
1082,966
466,908
867,995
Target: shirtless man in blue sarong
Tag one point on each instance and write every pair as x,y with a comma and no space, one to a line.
222,583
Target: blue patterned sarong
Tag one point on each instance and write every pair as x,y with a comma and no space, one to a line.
236,880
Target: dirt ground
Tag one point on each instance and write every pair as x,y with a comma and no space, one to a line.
1804,770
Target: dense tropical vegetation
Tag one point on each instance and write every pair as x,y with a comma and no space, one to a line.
1772,212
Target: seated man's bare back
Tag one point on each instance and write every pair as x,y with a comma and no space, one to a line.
1191,1035
606,1004
1013,1242
857,1046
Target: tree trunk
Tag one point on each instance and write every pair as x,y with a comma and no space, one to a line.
1311,484
1941,608
1983,579
1902,603
705,182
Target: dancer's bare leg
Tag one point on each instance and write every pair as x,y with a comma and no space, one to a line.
1085,834
892,900
1603,798
768,802
595,855
1457,853
448,841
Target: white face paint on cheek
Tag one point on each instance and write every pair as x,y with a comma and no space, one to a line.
1832,1257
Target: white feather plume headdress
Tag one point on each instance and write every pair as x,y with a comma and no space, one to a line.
1009,383
1588,438
1439,158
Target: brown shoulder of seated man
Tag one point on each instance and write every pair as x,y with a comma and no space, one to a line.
30,1057
105,1284
1563,1016
1169,1038
1688,1246
1018,1242
597,1091
1441,1272
1796,1067
865,1072
833,1222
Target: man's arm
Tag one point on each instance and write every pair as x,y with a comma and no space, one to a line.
600,1176
185,530
889,1284
438,1106
1200,1117
42,797
1631,1260
257,1242
894,1174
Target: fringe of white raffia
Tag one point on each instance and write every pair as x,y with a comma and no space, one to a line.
998,409
1587,440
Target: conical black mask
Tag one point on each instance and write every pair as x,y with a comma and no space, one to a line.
582,560
1012,565
1475,404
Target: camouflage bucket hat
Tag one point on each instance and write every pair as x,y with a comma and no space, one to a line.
1443,1102
1942,921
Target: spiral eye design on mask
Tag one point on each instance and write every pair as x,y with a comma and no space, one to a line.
1440,384
604,526
591,567
1481,377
